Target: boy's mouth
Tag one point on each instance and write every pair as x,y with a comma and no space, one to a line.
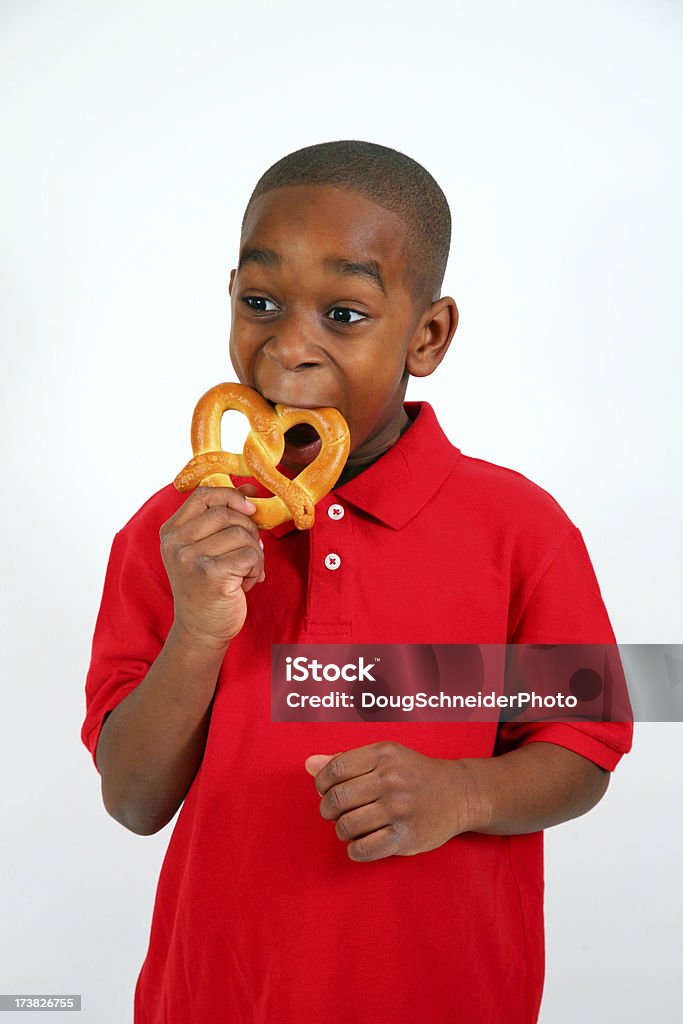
302,445
302,442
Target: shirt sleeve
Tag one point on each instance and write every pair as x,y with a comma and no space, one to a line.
566,607
135,616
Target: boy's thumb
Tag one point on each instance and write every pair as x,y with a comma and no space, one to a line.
316,762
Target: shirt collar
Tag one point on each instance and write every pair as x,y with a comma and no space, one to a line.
401,482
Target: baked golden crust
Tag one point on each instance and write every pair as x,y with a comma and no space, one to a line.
294,499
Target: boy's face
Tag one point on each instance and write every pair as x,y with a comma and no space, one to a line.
322,315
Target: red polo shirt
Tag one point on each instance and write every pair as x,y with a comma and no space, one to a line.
260,916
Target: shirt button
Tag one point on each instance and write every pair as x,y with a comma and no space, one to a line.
332,561
336,512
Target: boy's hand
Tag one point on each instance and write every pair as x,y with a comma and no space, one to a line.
389,800
213,555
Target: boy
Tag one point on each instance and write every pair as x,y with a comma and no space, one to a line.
404,882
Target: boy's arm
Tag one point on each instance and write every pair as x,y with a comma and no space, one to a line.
532,788
152,743
387,799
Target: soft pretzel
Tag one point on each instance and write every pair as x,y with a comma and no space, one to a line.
263,448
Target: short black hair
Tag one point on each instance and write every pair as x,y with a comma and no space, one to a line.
388,178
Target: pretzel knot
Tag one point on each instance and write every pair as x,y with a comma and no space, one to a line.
263,450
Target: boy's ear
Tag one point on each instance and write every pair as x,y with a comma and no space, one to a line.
232,281
432,338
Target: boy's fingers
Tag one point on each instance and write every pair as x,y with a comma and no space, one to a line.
249,581
203,498
349,796
214,542
250,490
219,519
240,562
385,842
347,765
362,821
315,762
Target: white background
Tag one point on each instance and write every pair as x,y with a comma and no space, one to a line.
132,136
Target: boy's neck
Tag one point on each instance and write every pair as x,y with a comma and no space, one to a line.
355,464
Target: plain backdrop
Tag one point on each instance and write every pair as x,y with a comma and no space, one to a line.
132,135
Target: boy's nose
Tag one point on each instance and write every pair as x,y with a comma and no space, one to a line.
293,346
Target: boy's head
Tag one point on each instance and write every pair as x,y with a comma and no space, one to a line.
335,297
391,180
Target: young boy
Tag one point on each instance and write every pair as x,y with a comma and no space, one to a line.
404,881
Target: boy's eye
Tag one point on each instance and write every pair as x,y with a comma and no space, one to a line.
343,315
260,304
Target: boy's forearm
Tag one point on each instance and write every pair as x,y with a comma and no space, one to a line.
531,788
152,743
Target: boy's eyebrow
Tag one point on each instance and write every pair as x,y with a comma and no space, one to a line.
264,257
364,268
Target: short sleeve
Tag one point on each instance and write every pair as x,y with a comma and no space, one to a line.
135,616
566,607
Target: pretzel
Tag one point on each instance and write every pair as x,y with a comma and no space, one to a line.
263,448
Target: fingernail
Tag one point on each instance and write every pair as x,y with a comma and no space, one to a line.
260,542
249,505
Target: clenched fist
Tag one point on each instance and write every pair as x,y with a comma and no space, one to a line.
213,555
387,799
